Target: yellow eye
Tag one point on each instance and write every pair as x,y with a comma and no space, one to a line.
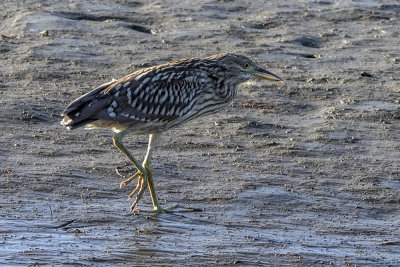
245,65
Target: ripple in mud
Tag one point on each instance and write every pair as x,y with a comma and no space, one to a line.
311,42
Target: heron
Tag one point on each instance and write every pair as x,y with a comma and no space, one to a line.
153,100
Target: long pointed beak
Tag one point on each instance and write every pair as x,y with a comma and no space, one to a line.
265,75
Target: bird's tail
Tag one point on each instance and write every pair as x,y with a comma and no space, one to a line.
79,112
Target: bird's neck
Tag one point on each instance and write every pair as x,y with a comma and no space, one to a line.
226,91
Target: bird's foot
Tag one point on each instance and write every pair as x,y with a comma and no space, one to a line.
129,180
158,209
140,188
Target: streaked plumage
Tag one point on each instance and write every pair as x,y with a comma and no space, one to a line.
155,99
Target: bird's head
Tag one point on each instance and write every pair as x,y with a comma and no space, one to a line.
242,68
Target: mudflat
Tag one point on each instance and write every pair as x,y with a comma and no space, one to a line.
300,173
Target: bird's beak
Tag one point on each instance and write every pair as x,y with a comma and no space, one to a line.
265,75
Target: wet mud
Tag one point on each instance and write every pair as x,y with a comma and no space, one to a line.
295,174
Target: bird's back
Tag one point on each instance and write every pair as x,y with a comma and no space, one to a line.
150,100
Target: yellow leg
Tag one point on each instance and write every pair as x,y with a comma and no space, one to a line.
142,173
147,165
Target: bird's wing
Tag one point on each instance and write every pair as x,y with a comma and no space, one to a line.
162,93
152,96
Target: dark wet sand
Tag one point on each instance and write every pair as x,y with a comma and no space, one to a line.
300,173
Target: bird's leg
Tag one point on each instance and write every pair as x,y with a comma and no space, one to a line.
142,173
147,165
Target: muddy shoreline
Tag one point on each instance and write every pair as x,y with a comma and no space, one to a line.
298,174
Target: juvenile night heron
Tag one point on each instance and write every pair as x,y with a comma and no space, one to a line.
153,100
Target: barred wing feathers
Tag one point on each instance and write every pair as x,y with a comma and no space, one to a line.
163,93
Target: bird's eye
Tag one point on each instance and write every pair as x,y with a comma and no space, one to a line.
245,65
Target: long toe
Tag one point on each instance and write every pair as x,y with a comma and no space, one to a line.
130,179
140,188
158,210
